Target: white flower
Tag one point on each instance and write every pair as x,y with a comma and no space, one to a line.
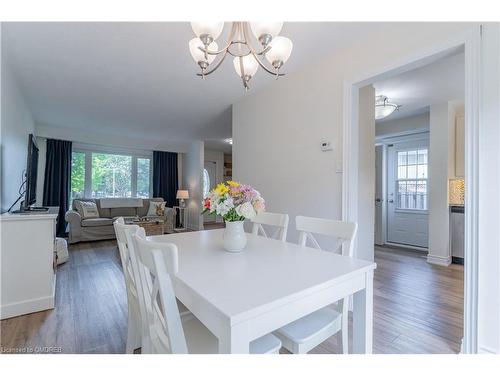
224,207
246,210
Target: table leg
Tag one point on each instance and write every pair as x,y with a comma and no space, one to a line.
233,342
362,331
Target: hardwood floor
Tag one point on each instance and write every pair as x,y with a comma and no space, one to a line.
417,307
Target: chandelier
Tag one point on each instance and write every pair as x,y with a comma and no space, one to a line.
247,59
383,107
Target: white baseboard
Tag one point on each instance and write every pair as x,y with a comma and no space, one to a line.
403,246
26,307
440,261
484,350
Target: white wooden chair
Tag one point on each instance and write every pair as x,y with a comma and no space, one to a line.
306,333
168,331
280,221
130,270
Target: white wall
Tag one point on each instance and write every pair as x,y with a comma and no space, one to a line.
16,124
277,131
218,158
107,139
489,204
366,174
401,126
442,119
193,161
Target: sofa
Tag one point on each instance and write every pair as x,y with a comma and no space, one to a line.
101,228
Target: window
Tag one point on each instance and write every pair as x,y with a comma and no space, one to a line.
77,175
96,174
206,183
411,182
111,176
143,177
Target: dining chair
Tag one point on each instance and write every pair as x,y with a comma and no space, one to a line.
306,333
279,221
168,331
129,266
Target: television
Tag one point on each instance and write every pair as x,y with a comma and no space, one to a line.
31,173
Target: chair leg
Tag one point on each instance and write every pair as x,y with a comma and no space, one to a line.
133,333
345,326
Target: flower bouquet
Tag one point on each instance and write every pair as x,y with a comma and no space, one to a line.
235,202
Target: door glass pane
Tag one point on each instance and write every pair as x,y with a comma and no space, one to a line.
77,175
422,195
412,171
401,157
422,171
422,156
143,177
412,157
402,171
111,175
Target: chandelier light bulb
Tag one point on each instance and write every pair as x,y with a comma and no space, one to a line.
207,31
250,66
281,49
198,55
266,31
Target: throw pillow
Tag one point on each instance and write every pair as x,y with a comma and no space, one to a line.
156,209
89,210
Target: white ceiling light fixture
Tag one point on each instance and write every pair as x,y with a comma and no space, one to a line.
274,48
383,107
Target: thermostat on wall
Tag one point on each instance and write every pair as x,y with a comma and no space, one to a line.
326,146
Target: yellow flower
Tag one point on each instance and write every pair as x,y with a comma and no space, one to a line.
221,189
233,183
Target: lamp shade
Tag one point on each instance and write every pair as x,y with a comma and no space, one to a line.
281,49
266,28
212,29
182,194
457,191
250,65
197,54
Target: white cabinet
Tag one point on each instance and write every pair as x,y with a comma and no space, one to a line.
459,146
28,276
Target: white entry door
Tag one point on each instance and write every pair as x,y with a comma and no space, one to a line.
209,179
407,194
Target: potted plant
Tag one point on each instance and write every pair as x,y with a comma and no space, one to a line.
235,202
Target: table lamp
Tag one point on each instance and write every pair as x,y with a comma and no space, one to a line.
182,195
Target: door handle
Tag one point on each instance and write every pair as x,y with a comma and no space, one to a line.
391,200
378,200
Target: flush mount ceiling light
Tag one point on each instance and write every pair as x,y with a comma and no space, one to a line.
274,48
383,107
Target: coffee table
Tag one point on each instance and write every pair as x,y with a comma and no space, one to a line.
151,227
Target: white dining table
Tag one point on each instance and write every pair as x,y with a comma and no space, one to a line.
242,296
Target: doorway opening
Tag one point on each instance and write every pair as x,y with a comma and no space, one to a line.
359,162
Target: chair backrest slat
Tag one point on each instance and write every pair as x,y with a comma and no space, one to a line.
130,266
343,231
158,262
280,221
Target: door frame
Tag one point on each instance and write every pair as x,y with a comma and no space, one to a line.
471,42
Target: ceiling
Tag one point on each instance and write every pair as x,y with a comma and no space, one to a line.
417,89
139,79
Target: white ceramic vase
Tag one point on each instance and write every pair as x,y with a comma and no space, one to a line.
235,238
